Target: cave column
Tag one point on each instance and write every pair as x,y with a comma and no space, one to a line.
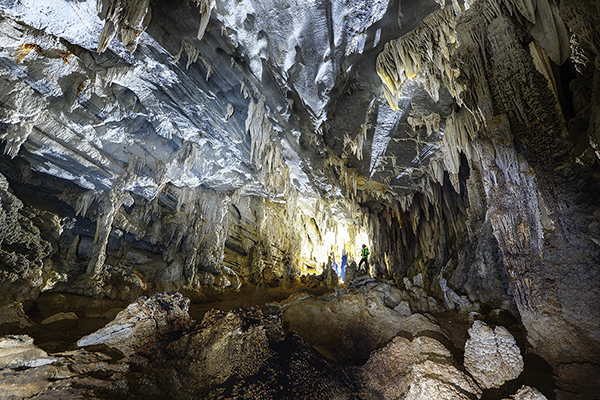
109,206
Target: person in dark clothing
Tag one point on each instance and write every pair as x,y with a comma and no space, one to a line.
364,254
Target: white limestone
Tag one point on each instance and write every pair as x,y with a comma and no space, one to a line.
492,356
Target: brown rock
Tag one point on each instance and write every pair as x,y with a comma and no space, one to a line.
247,354
419,369
13,314
143,323
527,393
60,317
19,351
348,325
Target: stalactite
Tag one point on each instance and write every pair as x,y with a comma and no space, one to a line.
430,121
109,206
129,17
460,129
265,152
191,51
18,130
422,55
259,128
581,16
550,32
206,8
426,55
84,201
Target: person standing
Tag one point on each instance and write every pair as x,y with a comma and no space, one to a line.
364,254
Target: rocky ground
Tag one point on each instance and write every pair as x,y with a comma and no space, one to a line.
370,340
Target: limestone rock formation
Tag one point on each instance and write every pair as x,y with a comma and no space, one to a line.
349,324
492,356
216,146
142,323
22,249
60,317
19,352
247,354
419,369
527,393
73,375
13,313
243,353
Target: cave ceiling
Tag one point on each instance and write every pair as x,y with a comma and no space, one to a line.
258,97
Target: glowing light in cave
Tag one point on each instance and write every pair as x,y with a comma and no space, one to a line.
342,237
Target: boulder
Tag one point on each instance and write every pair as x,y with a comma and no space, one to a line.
419,369
13,313
392,295
527,393
418,280
60,317
18,351
347,325
403,308
492,356
247,354
143,323
76,375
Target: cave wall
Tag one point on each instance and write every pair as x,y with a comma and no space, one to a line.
529,150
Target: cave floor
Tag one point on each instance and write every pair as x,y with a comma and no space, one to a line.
92,314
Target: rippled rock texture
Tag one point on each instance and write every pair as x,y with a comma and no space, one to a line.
527,393
19,352
419,369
